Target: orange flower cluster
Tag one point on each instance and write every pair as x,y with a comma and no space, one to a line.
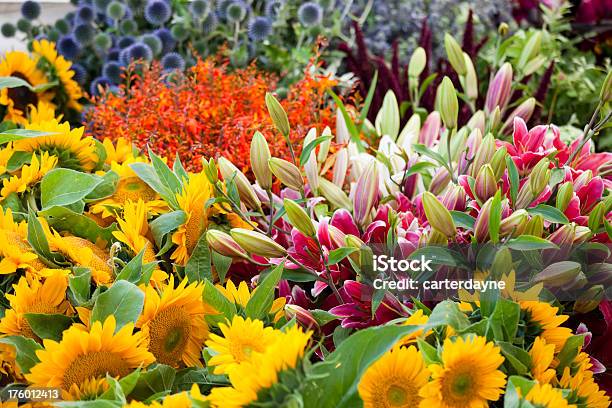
210,112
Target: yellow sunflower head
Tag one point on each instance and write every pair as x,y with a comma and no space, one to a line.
241,295
546,321
17,100
120,152
83,357
542,356
394,380
29,175
70,147
172,323
545,396
14,248
5,155
241,338
59,69
33,296
416,319
467,376
578,377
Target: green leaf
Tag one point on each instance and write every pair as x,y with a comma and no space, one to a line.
322,316
166,223
308,149
158,380
350,125
80,283
25,351
517,387
124,300
198,266
64,219
66,186
504,320
100,403
339,254
518,358
447,313
135,272
13,82
334,381
18,134
440,256
549,213
513,178
463,220
222,264
569,351
38,241
106,188
48,326
429,352
179,170
261,300
165,175
215,298
529,243
425,151
419,168
495,217
147,173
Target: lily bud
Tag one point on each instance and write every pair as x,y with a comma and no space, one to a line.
471,79
481,225
539,177
224,244
417,62
408,134
535,226
287,173
260,154
589,299
495,118
600,274
484,154
439,181
454,198
486,183
558,274
503,29
324,146
430,132
340,167
581,234
523,111
498,162
311,167
278,115
303,317
564,195
606,89
515,224
342,133
256,243
477,121
353,241
438,215
334,194
596,216
388,118
498,93
583,179
447,103
564,236
366,194
245,190
299,218
455,54
210,170
502,263
435,237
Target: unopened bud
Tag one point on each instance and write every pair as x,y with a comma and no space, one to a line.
299,218
589,299
256,243
606,89
439,181
311,167
210,170
502,263
430,132
303,316
486,184
340,167
600,274
224,244
495,118
455,54
523,111
438,215
417,62
484,154
477,121
366,194
260,154
278,115
596,217
334,194
481,225
535,226
564,195
324,146
500,88
245,190
515,224
503,29
435,237
447,103
352,241
539,177
558,274
287,173
471,79
498,162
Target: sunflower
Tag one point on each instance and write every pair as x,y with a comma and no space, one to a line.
60,70
9,369
240,339
129,188
416,319
72,149
545,396
17,100
5,155
172,323
30,174
579,379
394,380
545,317
180,400
262,370
468,375
542,356
241,295
197,190
134,232
33,296
43,112
120,152
83,357
15,250
509,292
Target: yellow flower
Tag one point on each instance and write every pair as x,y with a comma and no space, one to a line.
241,295
60,70
545,396
8,366
82,357
416,319
394,380
45,111
542,356
5,155
180,400
579,379
241,338
172,323
72,149
17,100
509,291
33,296
129,188
545,317
134,232
468,375
30,174
262,370
15,250
122,151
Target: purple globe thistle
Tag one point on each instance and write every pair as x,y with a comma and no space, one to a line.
96,84
236,11
116,10
63,26
128,26
210,23
200,8
260,28
101,5
80,74
273,8
168,42
112,70
124,57
310,14
30,10
157,12
153,42
69,47
140,51
8,30
125,41
103,41
172,61
86,14
84,33
113,54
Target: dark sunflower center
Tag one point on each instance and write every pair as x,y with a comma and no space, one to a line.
21,95
94,365
169,334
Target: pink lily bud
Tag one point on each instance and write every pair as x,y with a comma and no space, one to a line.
484,154
535,226
366,194
287,173
558,274
340,167
481,225
477,121
523,111
438,215
515,224
243,185
302,316
454,198
257,243
498,162
334,194
498,93
486,184
430,132
587,302
224,244
440,180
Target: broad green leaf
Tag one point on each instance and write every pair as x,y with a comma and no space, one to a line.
124,300
309,148
66,186
440,256
463,220
504,320
529,243
48,326
419,168
166,223
63,219
213,297
425,151
135,272
517,386
261,300
447,313
495,217
429,352
339,254
79,284
38,241
100,403
122,387
147,173
222,264
513,178
549,213
158,380
106,188
198,266
13,82
518,358
569,352
165,175
25,351
11,135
